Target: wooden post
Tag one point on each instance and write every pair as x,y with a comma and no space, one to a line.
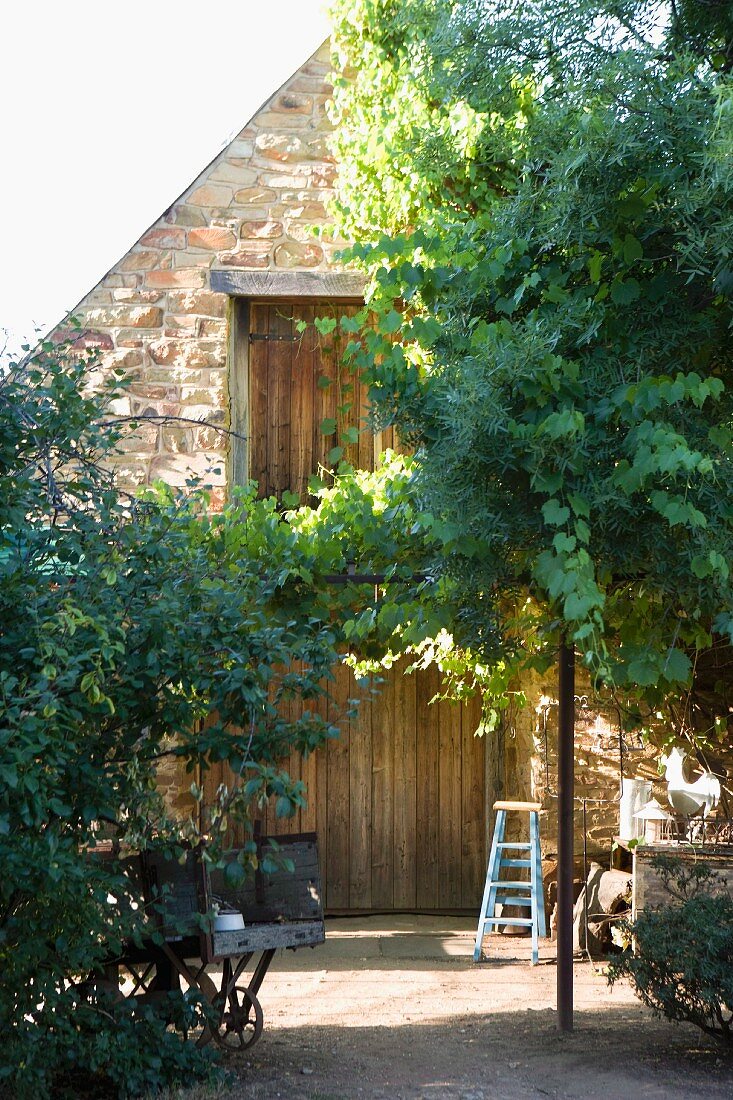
565,845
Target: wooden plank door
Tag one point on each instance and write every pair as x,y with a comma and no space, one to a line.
399,799
296,381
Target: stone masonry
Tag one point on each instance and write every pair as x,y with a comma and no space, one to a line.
531,737
257,206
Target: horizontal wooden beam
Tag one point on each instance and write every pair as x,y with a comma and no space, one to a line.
288,284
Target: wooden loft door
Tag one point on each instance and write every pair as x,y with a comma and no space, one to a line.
399,800
289,399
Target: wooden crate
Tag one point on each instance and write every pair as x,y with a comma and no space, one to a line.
175,889
280,908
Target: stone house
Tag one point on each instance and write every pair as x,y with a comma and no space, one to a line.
201,311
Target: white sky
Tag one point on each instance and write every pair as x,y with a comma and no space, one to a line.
108,110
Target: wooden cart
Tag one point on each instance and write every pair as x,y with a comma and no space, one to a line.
280,909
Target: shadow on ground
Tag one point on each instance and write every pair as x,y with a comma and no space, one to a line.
394,1008
496,1056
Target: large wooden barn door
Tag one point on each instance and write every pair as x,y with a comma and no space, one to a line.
400,799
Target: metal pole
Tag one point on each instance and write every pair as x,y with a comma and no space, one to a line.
565,845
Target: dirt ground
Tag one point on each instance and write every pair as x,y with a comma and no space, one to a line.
394,1008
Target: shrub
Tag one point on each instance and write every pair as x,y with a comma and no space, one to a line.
131,630
135,630
101,1046
682,966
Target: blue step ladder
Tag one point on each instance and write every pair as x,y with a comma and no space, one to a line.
525,892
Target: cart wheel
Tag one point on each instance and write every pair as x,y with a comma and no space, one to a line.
240,1021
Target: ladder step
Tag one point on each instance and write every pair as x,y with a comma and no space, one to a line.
515,862
510,884
524,847
507,899
525,922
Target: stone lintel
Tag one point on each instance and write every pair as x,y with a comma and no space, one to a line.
288,284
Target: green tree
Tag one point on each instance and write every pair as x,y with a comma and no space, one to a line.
134,631
550,272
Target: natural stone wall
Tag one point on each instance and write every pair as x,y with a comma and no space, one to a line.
154,313
174,783
531,764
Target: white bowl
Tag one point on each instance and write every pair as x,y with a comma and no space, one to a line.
228,922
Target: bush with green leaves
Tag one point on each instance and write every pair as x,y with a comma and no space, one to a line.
105,1046
125,625
681,964
138,630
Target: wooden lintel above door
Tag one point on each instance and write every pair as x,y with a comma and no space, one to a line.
289,284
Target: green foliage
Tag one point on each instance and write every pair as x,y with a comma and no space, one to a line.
105,1046
550,313
682,964
136,631
372,519
133,631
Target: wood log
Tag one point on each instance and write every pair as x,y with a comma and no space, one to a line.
605,894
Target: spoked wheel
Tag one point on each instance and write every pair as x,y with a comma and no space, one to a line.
240,1022
238,1017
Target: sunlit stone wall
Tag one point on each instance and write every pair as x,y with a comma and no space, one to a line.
154,313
